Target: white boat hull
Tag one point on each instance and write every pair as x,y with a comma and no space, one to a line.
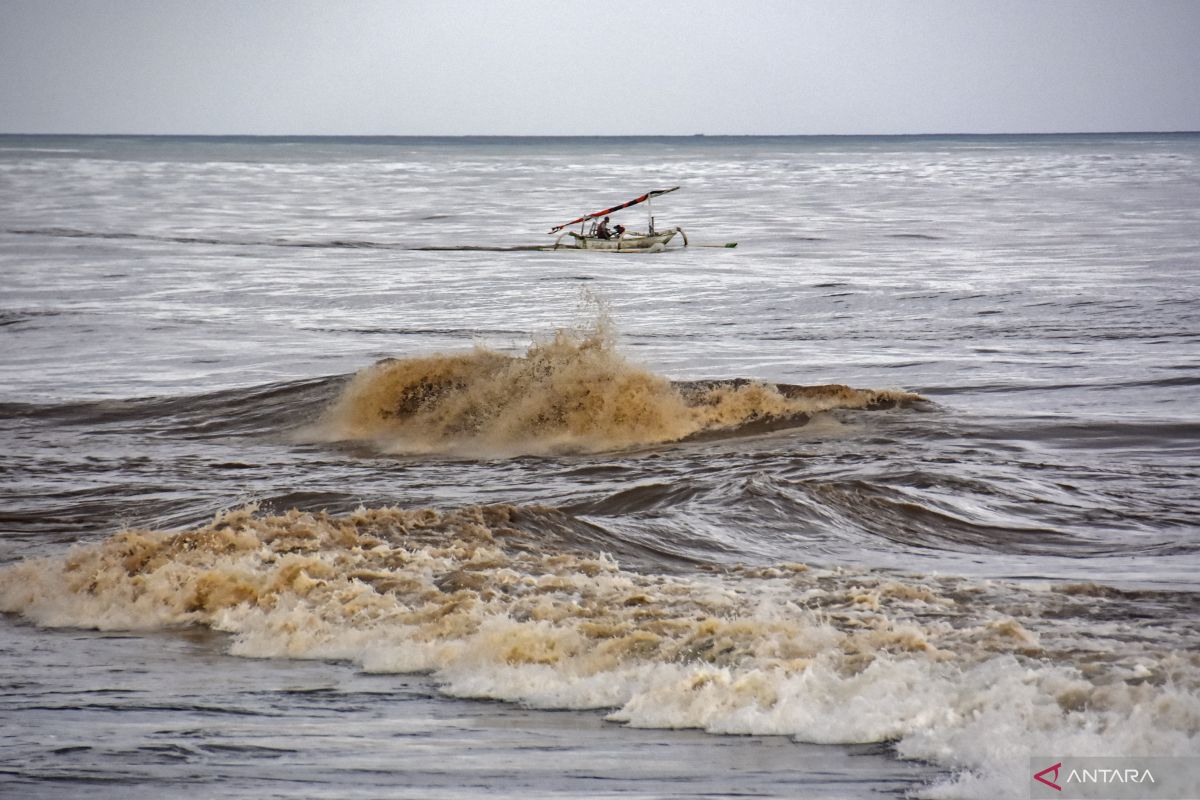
626,243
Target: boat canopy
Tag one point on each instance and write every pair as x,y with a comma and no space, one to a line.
632,202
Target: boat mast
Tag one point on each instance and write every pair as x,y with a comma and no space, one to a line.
643,199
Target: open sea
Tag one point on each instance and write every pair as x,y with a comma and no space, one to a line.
319,479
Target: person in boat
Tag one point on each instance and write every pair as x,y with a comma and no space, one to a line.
602,231
619,230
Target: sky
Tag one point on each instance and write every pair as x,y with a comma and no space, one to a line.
661,67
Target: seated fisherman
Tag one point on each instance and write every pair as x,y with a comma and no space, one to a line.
602,231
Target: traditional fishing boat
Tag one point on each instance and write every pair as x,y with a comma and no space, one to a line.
599,237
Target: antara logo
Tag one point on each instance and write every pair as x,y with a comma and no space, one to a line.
1110,776
1041,776
1049,776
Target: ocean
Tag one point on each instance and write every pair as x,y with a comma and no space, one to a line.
324,478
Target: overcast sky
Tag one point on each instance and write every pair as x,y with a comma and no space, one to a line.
651,67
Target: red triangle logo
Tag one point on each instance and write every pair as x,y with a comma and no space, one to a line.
1041,776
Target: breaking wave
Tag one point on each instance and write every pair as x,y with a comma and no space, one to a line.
969,675
571,393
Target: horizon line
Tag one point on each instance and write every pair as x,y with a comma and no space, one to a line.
700,135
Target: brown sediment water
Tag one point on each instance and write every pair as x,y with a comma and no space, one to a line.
572,392
723,520
493,610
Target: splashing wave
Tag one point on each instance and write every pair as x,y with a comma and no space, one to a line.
571,393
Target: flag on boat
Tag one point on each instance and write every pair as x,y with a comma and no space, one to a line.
632,202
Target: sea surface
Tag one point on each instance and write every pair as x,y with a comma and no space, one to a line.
322,477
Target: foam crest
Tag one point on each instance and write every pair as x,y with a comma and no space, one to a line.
973,676
573,392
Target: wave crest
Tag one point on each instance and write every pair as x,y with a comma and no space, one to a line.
571,393
936,665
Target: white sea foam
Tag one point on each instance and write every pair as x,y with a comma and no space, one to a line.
966,675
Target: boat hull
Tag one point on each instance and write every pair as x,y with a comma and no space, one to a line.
636,243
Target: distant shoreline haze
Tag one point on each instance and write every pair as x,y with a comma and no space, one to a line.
586,137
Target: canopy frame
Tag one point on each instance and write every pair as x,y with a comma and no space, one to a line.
644,198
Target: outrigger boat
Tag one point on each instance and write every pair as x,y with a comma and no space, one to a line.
620,240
